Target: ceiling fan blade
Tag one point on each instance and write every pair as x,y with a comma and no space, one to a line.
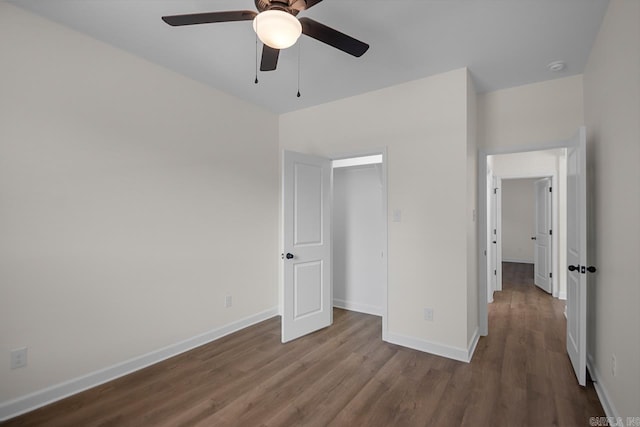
269,58
311,3
333,37
209,17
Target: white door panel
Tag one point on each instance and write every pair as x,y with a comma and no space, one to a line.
577,256
542,242
307,263
307,291
494,282
308,202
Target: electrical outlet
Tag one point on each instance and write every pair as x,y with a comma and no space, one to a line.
428,314
614,365
18,357
228,301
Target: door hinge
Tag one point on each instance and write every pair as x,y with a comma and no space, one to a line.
494,231
550,232
550,189
551,275
495,272
495,191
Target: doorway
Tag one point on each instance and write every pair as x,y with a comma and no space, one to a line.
572,250
522,219
358,252
515,175
308,217
359,237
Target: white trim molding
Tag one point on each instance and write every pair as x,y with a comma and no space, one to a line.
450,352
517,261
356,306
21,405
473,343
603,395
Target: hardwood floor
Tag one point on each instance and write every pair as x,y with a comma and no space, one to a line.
345,375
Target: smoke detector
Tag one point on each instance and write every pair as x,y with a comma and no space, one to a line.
556,66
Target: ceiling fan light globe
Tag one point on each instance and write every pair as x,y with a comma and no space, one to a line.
277,29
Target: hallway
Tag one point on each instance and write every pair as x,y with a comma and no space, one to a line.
526,345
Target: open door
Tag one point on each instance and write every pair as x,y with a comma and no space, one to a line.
307,304
493,240
577,255
496,234
542,238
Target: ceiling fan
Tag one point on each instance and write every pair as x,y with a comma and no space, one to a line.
276,25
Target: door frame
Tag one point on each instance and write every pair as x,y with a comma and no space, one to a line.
385,232
554,226
385,224
495,223
483,285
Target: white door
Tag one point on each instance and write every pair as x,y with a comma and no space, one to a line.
577,255
496,239
493,240
306,200
542,237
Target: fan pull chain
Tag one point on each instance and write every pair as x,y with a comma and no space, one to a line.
256,80
299,50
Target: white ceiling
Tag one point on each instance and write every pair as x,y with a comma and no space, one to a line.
504,43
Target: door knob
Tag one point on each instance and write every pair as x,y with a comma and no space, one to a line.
534,238
574,268
591,269
289,255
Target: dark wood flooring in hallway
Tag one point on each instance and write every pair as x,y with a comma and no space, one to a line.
346,375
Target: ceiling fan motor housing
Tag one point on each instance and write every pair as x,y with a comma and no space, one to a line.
293,6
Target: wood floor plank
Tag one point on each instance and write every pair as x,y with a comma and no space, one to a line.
253,406
345,375
455,398
541,407
321,400
421,398
511,407
514,365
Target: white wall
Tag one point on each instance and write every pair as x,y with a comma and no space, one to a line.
471,216
532,114
518,216
358,281
132,202
612,110
424,125
527,164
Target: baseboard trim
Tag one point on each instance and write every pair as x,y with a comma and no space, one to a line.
354,306
562,295
21,405
450,352
518,261
601,391
473,343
